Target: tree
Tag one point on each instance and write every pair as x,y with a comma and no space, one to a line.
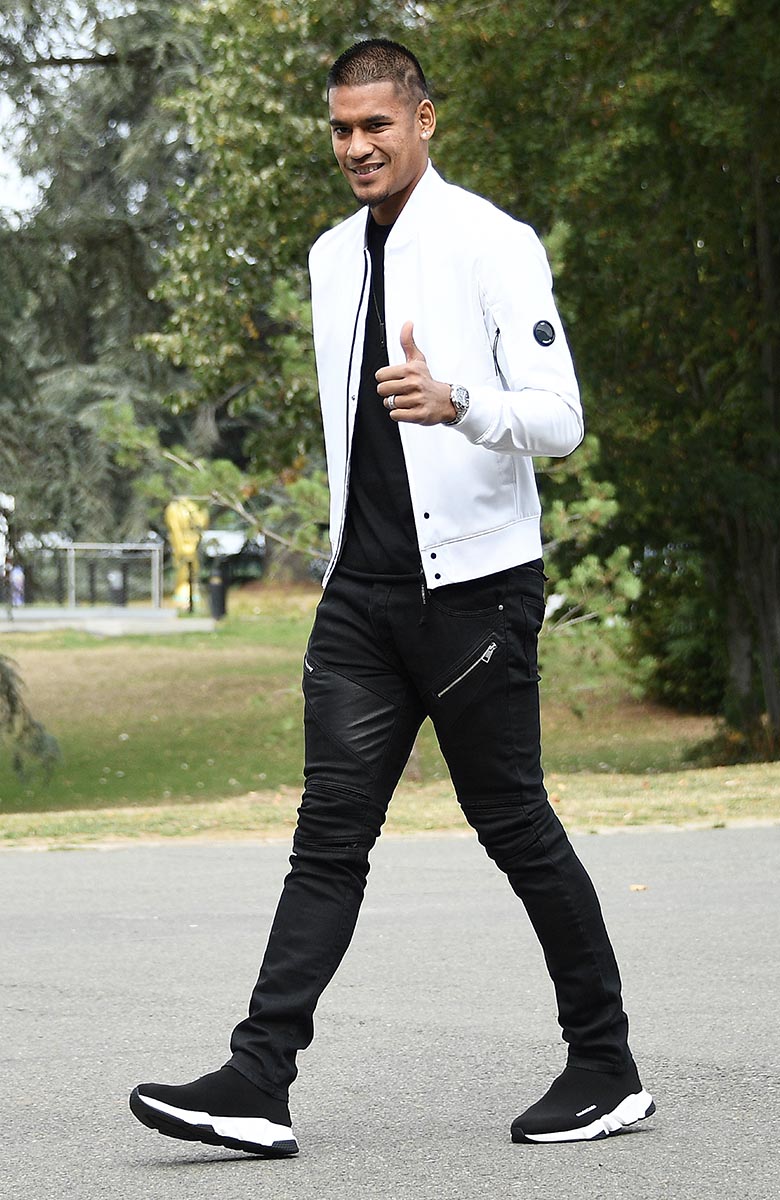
640,134
76,390
579,513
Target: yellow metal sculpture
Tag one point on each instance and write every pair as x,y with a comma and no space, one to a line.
186,521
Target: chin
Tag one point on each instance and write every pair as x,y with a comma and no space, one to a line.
372,199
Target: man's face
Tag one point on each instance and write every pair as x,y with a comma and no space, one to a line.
380,139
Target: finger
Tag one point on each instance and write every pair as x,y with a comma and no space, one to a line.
397,387
408,344
395,373
393,402
386,387
408,416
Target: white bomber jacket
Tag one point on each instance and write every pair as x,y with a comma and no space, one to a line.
476,283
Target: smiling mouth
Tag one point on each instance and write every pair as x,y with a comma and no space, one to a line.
371,169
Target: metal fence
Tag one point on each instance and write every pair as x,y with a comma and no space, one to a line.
94,573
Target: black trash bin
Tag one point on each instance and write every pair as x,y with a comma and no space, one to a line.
218,590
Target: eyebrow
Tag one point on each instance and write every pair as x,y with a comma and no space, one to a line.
335,122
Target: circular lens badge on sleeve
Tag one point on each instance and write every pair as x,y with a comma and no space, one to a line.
544,333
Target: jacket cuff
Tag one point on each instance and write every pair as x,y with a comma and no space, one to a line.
529,422
478,418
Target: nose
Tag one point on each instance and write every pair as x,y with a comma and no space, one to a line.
359,144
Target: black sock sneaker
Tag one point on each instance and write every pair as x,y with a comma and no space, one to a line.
220,1109
582,1106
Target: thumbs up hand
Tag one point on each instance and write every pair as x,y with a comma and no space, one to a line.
409,346
408,390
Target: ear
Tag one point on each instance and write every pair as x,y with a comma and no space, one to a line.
426,118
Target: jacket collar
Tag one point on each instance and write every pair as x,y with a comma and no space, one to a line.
422,200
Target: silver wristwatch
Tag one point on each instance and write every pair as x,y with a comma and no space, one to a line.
459,398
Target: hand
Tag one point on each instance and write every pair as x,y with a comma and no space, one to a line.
417,396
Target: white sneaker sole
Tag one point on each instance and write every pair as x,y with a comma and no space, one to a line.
634,1108
254,1135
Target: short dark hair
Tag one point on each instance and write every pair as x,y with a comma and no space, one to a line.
375,60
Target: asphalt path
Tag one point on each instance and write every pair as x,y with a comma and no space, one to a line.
123,965
101,620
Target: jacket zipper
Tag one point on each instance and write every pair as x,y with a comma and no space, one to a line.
485,657
499,372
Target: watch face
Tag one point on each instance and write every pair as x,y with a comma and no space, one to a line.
460,402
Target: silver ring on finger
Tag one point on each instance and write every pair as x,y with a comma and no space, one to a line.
390,403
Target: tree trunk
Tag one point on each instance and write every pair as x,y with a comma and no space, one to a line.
756,531
768,601
741,711
758,555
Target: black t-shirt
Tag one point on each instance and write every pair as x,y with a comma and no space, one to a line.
380,536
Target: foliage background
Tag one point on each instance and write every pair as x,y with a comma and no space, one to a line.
154,309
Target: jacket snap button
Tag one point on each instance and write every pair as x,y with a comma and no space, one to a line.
437,576
433,556
426,515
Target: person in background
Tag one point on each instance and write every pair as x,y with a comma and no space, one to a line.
16,579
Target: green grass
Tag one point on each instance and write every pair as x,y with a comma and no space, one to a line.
585,802
202,733
148,719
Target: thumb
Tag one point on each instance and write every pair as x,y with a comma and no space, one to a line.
408,345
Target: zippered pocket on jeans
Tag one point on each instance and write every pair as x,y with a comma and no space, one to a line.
482,660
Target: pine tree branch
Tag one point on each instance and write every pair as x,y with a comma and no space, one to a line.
25,738
44,61
236,390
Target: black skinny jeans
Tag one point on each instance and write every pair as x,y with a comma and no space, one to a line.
381,657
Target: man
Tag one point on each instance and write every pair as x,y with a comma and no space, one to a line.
442,369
